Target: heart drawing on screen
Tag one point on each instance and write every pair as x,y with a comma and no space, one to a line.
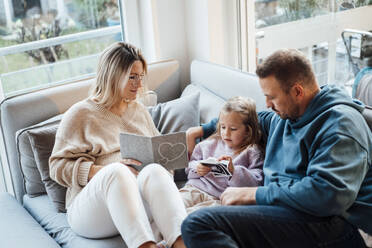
170,152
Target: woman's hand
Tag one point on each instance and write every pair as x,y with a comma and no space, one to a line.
202,169
93,170
128,162
191,135
230,167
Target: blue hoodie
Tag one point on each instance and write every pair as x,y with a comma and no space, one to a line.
320,164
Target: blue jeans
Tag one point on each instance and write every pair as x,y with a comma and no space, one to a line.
266,226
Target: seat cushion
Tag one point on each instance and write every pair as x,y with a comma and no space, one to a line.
18,228
56,225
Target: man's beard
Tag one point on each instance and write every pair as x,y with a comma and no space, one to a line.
293,114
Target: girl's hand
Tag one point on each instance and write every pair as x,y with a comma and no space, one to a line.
230,167
202,170
128,162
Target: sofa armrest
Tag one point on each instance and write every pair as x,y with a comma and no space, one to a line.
18,228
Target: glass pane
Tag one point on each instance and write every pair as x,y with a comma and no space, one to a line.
272,12
319,61
86,27
318,34
29,70
42,19
351,4
343,64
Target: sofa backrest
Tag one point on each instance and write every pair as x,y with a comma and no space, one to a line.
217,83
28,109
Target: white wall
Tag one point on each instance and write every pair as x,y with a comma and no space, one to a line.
132,23
196,21
171,39
196,29
184,30
230,33
158,27
212,31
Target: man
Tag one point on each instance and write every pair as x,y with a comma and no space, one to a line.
318,181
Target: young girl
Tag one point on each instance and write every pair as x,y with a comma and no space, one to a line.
237,139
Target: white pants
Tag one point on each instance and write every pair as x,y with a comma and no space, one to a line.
115,201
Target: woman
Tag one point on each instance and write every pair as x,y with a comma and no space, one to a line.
104,195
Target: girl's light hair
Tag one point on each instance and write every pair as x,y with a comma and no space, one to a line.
246,108
114,67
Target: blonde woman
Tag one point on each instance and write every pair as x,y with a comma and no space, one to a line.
105,197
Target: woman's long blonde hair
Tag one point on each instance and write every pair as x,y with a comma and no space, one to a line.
246,108
115,61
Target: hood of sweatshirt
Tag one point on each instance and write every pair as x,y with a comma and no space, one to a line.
329,96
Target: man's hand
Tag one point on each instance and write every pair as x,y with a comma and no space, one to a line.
191,135
239,196
202,169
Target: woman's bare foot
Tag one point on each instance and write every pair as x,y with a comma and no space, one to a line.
148,245
179,243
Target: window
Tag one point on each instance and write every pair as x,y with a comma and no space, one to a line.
314,27
45,42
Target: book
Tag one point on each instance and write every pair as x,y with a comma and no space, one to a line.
169,150
219,168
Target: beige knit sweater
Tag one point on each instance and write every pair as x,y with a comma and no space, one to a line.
89,134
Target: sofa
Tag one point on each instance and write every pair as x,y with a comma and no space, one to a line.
31,217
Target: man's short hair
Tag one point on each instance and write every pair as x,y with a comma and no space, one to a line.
288,66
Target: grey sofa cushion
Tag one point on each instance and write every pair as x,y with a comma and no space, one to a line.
176,115
18,228
42,141
56,225
210,104
31,176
